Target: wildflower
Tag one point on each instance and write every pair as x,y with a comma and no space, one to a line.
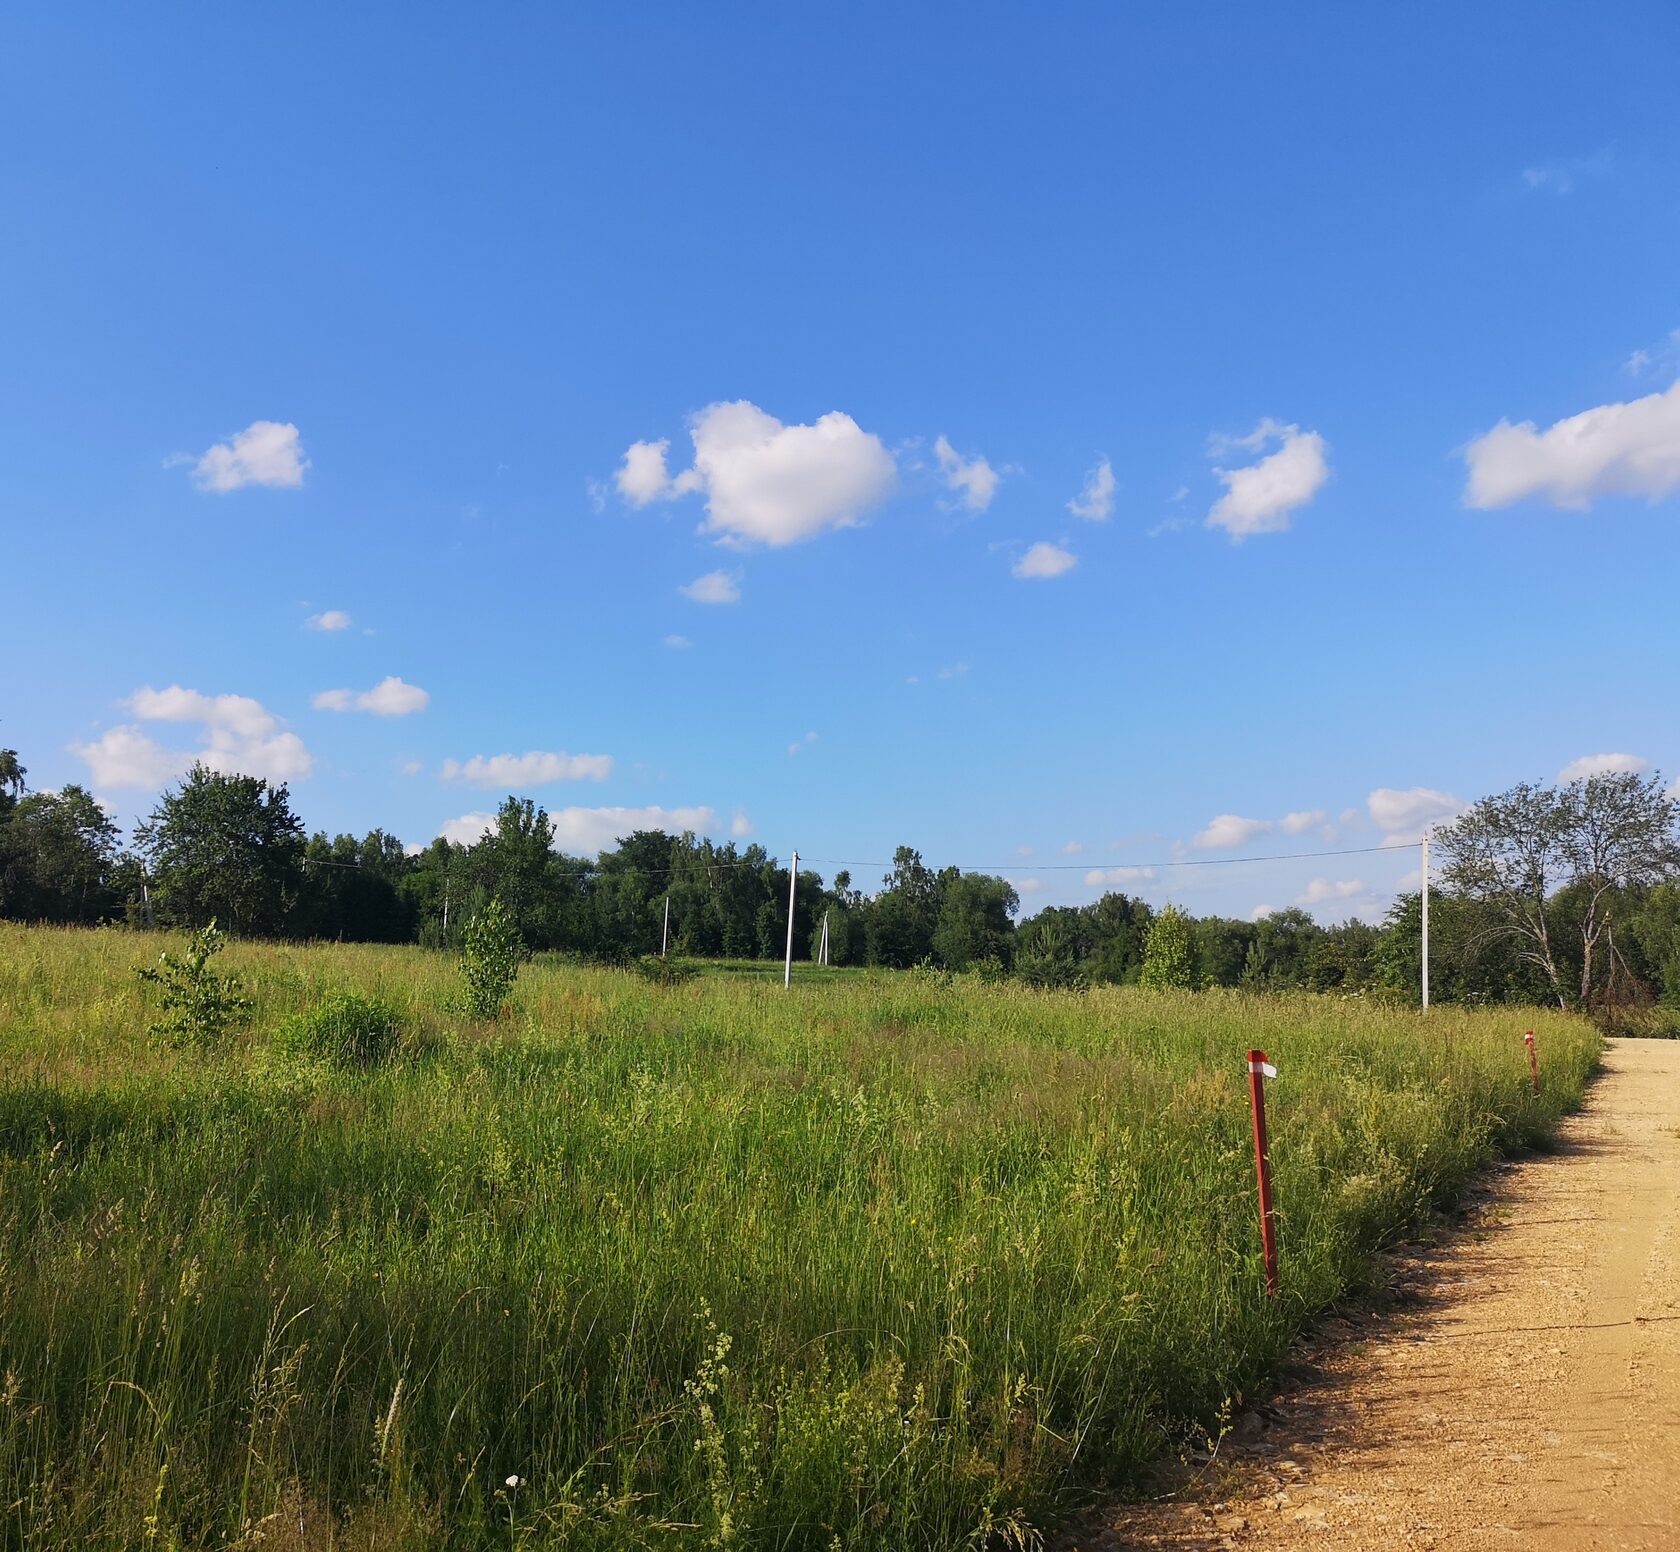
516,1481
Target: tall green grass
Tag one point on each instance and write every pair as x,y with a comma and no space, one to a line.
883,1262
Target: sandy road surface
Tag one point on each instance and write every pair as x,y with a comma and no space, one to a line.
1525,1395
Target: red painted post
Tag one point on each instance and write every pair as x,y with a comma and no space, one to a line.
1533,1060
1258,1070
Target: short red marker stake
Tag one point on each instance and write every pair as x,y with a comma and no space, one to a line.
1259,1069
1533,1060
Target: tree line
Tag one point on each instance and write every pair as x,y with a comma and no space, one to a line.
1566,894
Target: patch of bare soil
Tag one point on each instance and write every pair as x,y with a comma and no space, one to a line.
1523,1391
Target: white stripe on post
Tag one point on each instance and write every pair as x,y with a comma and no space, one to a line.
793,884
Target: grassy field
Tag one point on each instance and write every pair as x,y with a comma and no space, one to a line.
883,1262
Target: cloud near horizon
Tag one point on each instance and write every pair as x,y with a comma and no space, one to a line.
238,736
1603,765
586,832
765,482
1402,815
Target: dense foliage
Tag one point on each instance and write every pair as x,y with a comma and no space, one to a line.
888,1261
1568,894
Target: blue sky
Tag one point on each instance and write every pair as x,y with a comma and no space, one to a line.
382,318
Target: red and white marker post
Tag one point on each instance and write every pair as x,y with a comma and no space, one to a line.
1533,1060
1259,1069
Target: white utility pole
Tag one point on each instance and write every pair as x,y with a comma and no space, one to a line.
665,932
825,939
1426,916
793,884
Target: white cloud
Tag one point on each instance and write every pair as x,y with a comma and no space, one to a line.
1322,890
468,829
1073,848
974,477
586,831
801,743
642,477
126,757
329,620
952,671
1603,765
1402,815
389,698
535,769
764,482
1260,497
1099,877
1226,831
740,826
1027,886
1260,912
410,767
238,735
1096,500
678,643
266,452
1299,823
716,587
1043,561
1630,449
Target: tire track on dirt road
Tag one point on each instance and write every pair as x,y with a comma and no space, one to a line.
1527,1396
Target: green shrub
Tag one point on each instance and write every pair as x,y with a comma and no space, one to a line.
199,1006
665,972
490,953
346,1029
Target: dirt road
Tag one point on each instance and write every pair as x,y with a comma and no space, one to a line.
1526,1394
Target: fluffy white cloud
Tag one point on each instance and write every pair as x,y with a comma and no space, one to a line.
1299,823
1043,561
1402,815
800,743
586,831
1073,848
1630,449
1098,877
974,477
716,587
535,769
740,826
1260,497
1603,765
237,735
766,483
126,757
468,829
329,620
266,452
1096,501
1225,831
1027,886
389,698
678,643
1322,890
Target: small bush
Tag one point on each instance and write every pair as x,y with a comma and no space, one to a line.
347,1029
665,972
199,1006
490,953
